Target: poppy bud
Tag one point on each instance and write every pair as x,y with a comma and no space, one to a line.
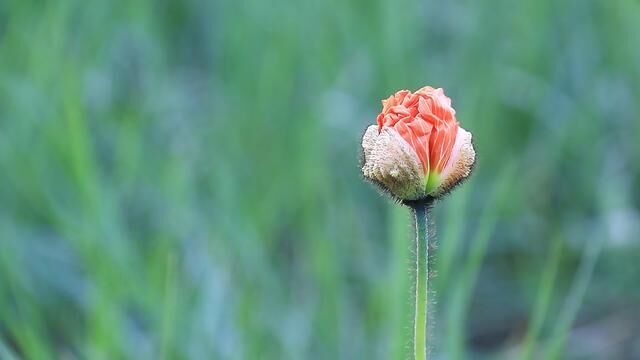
417,150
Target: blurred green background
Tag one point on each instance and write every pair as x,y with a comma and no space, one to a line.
180,179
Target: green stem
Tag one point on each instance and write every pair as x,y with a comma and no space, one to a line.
421,342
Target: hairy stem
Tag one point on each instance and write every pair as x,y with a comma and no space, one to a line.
421,323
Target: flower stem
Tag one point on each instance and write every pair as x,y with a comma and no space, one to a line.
421,342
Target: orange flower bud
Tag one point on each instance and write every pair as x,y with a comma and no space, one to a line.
418,149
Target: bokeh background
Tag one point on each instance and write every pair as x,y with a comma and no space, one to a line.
180,179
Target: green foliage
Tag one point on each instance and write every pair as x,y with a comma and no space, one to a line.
180,178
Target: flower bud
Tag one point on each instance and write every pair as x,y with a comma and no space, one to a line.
417,150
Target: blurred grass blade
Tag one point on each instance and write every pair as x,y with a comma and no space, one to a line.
543,300
401,282
456,342
574,300
451,235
